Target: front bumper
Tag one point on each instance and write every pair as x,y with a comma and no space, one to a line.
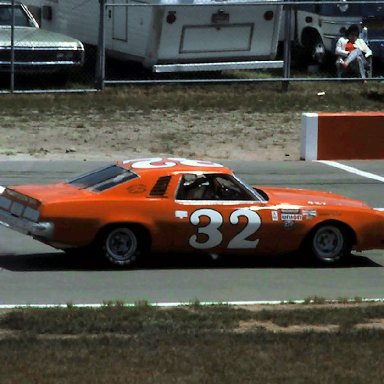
39,67
41,59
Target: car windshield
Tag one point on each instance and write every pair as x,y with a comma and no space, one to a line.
339,9
21,18
103,179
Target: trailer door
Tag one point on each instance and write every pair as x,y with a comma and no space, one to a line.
120,21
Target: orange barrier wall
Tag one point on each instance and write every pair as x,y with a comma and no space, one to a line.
337,136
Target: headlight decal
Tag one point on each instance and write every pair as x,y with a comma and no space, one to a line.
31,214
5,203
17,208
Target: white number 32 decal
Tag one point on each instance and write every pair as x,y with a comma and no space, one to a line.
214,237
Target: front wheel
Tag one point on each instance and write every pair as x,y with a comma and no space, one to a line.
121,246
329,243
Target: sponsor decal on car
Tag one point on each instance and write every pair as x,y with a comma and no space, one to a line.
289,224
291,217
181,214
309,213
316,202
137,188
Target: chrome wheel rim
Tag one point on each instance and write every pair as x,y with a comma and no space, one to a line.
328,243
121,245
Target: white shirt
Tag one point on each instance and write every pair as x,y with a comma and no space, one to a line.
359,43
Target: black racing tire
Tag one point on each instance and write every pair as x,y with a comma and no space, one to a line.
122,246
329,243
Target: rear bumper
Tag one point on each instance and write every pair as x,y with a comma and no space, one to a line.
40,230
218,66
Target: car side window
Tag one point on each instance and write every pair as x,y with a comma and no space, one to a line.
21,18
211,187
195,187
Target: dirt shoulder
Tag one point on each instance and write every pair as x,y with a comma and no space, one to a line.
235,135
227,121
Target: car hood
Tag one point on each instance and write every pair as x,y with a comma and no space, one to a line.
46,193
32,37
303,197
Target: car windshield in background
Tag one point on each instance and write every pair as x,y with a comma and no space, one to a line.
343,8
21,18
103,179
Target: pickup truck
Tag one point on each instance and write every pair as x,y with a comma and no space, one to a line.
35,49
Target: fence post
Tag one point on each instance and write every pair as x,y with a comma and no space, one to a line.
287,46
100,64
12,77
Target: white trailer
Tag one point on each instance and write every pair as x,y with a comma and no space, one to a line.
173,35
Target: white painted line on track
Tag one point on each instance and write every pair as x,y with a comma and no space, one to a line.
353,170
179,304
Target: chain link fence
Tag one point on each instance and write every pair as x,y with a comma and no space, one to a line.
87,45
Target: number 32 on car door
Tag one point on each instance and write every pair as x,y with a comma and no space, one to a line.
212,230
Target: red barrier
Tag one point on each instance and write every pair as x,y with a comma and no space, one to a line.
338,136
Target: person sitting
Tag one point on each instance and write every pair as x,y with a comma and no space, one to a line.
353,53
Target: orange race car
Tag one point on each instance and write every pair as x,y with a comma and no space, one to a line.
178,205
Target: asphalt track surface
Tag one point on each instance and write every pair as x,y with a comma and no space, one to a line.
32,273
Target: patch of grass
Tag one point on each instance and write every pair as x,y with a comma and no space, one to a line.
262,97
143,318
191,344
122,320
338,315
315,300
261,357
7,152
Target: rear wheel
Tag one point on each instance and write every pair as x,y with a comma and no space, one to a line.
329,243
122,246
